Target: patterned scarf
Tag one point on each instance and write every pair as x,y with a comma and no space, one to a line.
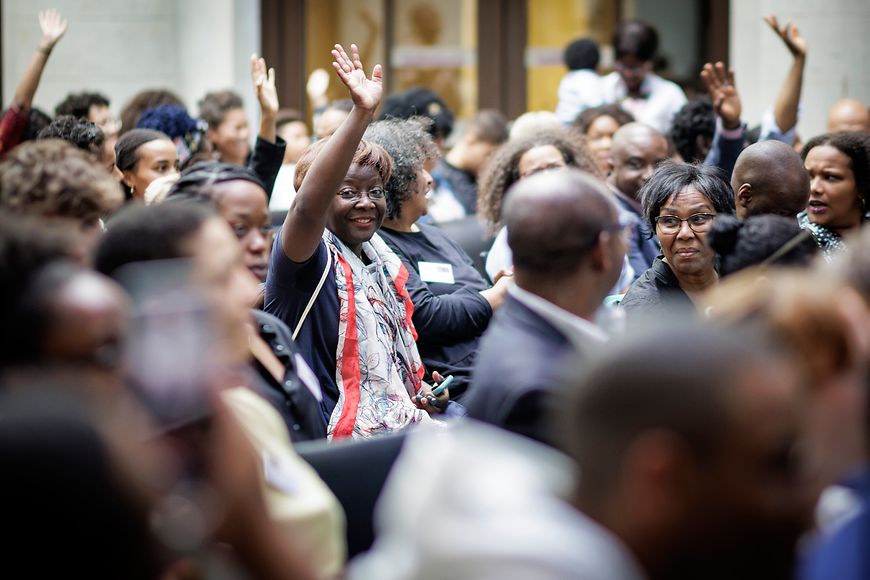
829,241
378,368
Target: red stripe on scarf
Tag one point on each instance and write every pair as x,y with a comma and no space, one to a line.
400,281
350,374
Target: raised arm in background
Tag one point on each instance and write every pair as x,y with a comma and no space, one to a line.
785,109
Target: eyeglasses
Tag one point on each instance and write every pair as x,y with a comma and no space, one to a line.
353,195
698,223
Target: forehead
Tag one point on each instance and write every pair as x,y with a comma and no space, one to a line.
540,155
293,128
159,148
644,144
240,195
605,124
362,174
687,199
97,113
214,248
828,155
235,116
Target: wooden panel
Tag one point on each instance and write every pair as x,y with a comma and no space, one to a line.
501,26
283,37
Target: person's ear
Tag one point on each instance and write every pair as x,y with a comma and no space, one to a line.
743,195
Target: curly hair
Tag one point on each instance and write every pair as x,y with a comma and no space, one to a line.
409,146
585,119
51,178
214,107
141,102
855,146
79,104
420,102
76,130
502,170
695,119
368,154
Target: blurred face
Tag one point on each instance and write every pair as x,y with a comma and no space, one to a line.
834,196
88,322
541,158
686,250
227,285
633,71
231,137
328,122
297,138
752,500
417,205
635,160
359,207
477,154
157,158
243,205
599,138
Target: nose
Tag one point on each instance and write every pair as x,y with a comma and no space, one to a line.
648,170
256,242
685,232
365,201
429,181
816,185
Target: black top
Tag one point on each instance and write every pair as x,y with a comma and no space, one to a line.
449,317
289,286
266,161
520,367
460,183
657,289
294,400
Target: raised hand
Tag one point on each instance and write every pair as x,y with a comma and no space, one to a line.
723,92
790,36
53,27
264,85
364,92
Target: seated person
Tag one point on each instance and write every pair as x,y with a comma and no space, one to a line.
452,301
339,286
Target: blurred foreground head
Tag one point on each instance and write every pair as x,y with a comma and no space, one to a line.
689,458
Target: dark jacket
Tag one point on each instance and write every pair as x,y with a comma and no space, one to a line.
642,247
266,161
519,367
657,289
296,404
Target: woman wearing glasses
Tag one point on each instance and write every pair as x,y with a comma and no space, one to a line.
680,203
335,281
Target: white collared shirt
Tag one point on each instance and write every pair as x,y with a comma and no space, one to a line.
579,331
663,99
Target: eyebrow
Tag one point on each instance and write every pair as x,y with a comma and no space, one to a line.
697,207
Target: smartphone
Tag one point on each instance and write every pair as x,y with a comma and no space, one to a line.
442,385
170,348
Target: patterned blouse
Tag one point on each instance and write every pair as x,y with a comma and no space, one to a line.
829,241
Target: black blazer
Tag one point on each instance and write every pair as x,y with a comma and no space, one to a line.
520,365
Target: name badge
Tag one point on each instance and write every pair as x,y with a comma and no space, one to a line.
437,272
279,473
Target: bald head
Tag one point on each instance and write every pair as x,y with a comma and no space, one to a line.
849,115
554,221
769,178
636,150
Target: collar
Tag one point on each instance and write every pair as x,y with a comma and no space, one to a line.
628,200
579,331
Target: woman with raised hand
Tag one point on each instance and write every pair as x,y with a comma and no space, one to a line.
339,286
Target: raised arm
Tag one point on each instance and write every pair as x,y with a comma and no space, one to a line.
730,131
306,218
785,110
263,80
53,27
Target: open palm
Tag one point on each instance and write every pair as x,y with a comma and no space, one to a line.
53,27
365,92
723,92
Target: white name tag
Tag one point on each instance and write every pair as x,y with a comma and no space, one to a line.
279,473
437,272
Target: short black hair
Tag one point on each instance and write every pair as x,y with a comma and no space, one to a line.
741,244
76,130
421,102
489,126
636,38
585,119
856,146
139,233
671,177
128,144
144,100
288,116
79,104
37,120
582,54
409,146
196,181
695,119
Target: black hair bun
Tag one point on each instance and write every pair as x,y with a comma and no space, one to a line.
724,234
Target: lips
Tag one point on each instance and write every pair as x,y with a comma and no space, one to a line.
259,270
362,221
687,252
817,207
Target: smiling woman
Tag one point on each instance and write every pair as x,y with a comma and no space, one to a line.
680,204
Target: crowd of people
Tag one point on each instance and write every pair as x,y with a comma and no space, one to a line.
626,339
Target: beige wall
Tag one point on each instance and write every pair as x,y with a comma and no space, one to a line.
119,47
837,63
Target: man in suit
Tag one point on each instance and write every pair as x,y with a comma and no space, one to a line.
568,245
